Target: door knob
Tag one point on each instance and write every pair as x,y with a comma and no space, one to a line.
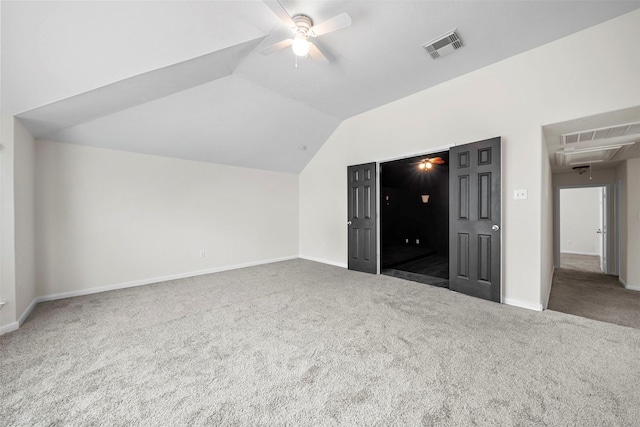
348,222
599,231
495,227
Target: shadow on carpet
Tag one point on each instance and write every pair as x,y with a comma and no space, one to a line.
416,277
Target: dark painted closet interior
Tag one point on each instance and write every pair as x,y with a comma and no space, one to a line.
414,219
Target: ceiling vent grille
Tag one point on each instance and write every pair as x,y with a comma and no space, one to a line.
443,45
603,133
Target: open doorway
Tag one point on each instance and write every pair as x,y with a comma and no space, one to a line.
414,218
584,228
439,222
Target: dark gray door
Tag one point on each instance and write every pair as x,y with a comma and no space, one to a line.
361,221
474,219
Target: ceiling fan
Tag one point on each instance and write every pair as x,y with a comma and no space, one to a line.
302,28
427,164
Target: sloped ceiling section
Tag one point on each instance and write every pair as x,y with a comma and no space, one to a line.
229,120
186,78
135,90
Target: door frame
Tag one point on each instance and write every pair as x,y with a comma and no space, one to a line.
612,258
615,263
391,159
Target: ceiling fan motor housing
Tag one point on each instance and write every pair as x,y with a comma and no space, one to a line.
303,25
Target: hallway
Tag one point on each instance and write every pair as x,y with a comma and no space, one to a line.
580,262
595,296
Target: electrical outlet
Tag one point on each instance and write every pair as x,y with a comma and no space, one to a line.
520,195
203,254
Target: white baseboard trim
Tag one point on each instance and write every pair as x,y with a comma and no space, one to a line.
62,295
9,328
27,312
521,304
545,303
631,287
324,261
579,253
143,282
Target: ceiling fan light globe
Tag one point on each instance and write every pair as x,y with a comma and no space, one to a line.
300,46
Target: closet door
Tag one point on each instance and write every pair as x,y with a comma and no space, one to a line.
474,219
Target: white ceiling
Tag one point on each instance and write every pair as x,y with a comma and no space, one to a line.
186,79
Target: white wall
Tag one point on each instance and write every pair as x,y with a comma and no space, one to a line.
106,218
579,220
8,318
573,179
633,223
630,270
621,176
511,99
25,242
17,227
546,240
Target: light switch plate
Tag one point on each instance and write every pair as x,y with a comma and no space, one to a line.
520,195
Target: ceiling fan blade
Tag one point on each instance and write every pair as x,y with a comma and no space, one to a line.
437,161
276,47
281,12
316,54
336,23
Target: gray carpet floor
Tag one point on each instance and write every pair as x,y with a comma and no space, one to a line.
302,343
580,262
595,296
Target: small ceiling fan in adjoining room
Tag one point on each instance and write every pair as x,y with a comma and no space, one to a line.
426,164
302,28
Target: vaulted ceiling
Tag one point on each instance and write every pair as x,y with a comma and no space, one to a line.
186,79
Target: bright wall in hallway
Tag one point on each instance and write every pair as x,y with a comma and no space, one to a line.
598,177
512,99
579,219
108,217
